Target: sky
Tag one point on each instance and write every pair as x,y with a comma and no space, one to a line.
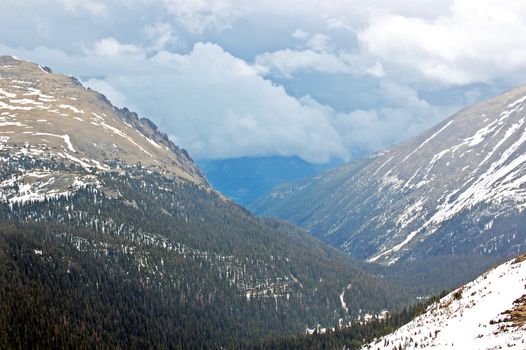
322,80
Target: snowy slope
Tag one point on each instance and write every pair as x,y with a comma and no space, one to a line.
51,119
457,189
52,116
488,313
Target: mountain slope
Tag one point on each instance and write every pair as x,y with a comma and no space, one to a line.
488,313
35,104
99,207
246,179
457,189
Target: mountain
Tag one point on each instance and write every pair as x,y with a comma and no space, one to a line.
456,190
110,236
488,313
248,178
36,104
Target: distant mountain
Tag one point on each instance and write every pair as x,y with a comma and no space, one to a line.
248,178
488,313
458,189
111,237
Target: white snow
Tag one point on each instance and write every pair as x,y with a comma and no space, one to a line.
381,166
65,137
394,249
481,134
427,140
485,188
71,108
7,94
342,295
99,121
25,101
155,144
14,108
67,140
12,124
468,318
520,100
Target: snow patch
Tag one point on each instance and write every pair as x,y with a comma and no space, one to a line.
471,317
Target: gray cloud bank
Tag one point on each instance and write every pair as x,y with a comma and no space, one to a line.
167,60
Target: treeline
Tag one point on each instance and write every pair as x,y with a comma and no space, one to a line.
55,296
144,261
353,336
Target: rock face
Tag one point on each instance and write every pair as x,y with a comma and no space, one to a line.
51,116
457,189
488,313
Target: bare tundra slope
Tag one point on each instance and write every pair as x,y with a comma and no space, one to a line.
458,189
53,116
488,313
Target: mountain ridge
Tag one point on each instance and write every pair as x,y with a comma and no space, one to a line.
440,193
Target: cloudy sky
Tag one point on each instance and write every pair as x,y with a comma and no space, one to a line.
319,79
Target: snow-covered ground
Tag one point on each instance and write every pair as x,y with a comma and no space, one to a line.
474,316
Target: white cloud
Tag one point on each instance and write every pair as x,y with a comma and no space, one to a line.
160,35
212,103
368,63
287,62
300,34
317,55
111,47
221,107
320,43
116,97
93,7
197,16
404,111
478,41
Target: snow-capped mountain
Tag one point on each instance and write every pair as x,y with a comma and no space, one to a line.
48,116
457,189
488,313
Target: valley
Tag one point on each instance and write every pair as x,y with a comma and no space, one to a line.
120,220
112,236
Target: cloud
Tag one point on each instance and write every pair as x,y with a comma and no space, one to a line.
287,62
316,55
478,41
320,43
300,34
93,7
212,103
315,78
116,97
160,35
221,107
111,47
197,16
403,110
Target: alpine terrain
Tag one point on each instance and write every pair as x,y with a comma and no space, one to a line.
111,237
488,313
458,190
